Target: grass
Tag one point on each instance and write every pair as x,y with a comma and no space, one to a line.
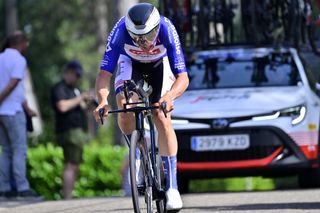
242,184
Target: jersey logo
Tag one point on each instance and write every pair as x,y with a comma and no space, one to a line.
108,49
140,55
140,52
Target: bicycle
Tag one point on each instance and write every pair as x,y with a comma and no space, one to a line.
198,22
293,22
151,162
267,19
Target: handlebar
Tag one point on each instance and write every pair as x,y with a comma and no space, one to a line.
162,106
130,86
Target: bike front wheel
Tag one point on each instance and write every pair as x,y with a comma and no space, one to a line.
141,193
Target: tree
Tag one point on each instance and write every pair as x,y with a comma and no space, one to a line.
11,16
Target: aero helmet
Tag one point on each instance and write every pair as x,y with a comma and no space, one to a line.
142,23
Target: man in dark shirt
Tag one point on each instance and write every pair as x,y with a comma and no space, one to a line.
69,106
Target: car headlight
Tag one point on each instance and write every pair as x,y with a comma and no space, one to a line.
296,113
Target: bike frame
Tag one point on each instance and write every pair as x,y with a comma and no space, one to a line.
140,114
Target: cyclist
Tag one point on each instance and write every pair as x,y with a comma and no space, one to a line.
146,45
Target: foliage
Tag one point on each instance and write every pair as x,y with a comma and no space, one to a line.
44,166
243,184
105,134
58,31
99,173
232,184
154,2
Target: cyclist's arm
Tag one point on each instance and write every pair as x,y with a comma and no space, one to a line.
177,63
102,91
103,86
179,86
9,88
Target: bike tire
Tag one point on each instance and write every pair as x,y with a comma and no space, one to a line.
160,178
140,204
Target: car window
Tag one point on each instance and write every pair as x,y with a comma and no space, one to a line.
310,75
264,71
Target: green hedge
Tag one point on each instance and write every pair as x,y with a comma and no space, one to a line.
99,173
232,184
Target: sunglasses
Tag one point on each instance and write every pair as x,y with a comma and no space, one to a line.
149,37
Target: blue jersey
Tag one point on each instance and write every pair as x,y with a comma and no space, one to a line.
168,44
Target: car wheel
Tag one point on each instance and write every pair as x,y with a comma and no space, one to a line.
309,179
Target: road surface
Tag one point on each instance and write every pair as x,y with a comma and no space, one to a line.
279,201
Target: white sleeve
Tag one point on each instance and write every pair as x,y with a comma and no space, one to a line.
19,68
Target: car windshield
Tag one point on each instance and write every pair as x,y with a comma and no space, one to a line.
244,70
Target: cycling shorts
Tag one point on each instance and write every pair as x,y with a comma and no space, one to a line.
157,74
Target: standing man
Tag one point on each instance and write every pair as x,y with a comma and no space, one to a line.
146,46
13,131
69,105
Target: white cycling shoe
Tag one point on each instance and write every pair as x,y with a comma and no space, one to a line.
174,201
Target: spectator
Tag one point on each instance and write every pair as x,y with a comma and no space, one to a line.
13,132
69,106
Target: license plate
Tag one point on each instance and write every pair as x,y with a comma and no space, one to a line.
220,142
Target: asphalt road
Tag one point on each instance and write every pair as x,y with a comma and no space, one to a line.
237,202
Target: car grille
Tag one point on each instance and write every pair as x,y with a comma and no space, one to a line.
263,142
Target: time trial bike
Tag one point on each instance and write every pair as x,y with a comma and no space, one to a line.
149,196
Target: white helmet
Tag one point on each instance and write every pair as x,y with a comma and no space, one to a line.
142,22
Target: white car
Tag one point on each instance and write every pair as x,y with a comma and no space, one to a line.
248,111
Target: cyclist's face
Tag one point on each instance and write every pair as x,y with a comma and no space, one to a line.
147,41
145,45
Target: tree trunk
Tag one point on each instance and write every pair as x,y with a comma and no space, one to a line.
124,5
102,14
11,16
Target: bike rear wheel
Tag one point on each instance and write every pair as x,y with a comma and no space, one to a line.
141,195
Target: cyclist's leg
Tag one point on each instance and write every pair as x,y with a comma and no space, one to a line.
161,81
168,147
126,121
